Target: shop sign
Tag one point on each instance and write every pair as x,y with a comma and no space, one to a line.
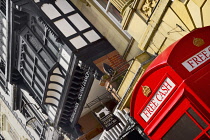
81,92
83,85
74,112
107,119
197,60
159,97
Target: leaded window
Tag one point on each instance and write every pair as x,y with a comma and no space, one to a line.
3,6
112,12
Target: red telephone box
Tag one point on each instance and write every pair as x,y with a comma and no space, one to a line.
171,101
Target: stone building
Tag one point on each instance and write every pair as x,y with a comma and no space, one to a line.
51,62
50,46
145,28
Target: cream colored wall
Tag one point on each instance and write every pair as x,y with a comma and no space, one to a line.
106,27
168,32
135,71
189,15
127,85
136,27
134,51
95,92
171,21
11,122
161,30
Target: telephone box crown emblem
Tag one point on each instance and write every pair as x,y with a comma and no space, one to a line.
198,42
146,91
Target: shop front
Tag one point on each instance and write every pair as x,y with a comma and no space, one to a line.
171,100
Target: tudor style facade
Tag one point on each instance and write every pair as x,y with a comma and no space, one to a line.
53,58
152,24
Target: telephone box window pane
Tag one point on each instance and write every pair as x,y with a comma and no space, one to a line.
197,118
203,137
183,129
208,132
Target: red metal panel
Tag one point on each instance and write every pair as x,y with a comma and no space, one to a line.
184,66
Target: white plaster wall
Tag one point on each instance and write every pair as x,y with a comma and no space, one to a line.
96,90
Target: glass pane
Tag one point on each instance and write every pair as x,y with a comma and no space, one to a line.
103,3
52,48
35,43
203,137
183,129
208,132
38,89
29,52
28,67
41,74
46,58
197,118
40,82
115,13
42,67
65,27
64,6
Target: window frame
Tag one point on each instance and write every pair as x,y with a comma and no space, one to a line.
111,17
177,112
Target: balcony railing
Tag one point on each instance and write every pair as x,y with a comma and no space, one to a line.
104,97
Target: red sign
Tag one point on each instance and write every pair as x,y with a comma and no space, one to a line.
157,99
175,88
197,59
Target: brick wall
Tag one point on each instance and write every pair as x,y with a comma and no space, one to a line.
113,59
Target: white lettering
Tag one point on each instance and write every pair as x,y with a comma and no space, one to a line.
158,98
197,60
74,112
83,85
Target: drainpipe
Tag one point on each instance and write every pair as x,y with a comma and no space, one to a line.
128,48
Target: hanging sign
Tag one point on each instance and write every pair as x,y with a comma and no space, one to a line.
107,119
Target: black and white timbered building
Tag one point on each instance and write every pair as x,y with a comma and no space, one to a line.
3,44
50,51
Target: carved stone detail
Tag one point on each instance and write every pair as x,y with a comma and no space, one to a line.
121,5
148,7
